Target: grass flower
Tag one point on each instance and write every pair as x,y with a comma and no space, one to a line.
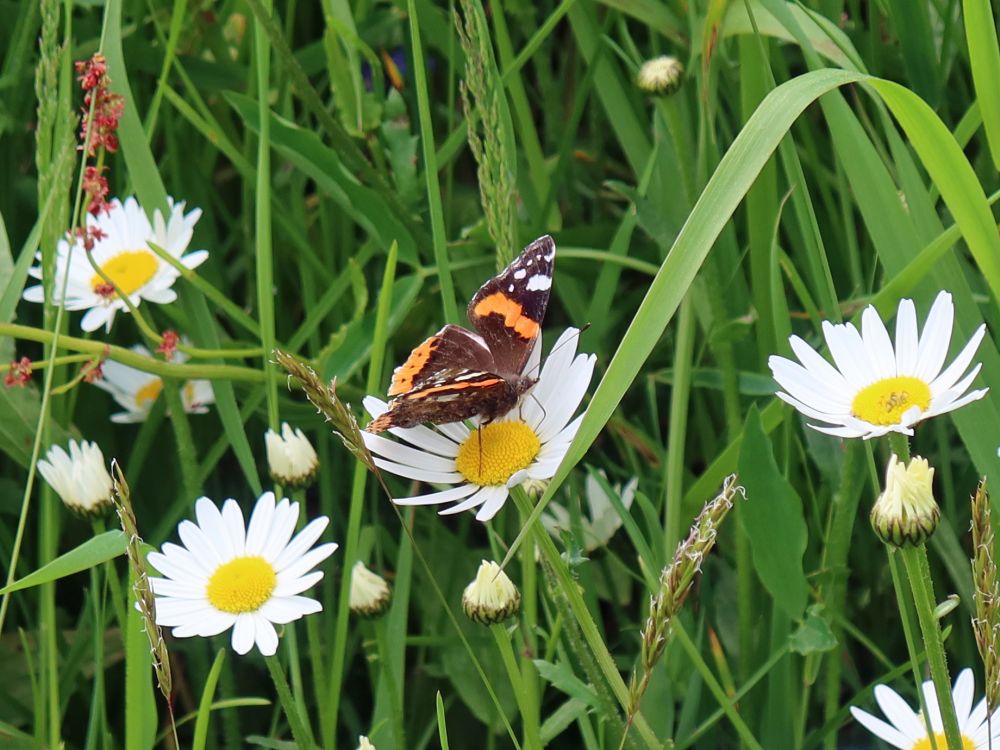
244,577
875,387
491,597
602,520
121,249
136,391
79,477
291,458
483,464
906,512
369,591
907,730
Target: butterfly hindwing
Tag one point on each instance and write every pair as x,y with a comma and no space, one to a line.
509,308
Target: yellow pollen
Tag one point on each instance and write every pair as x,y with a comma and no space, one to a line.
148,393
885,401
939,740
493,453
242,585
130,270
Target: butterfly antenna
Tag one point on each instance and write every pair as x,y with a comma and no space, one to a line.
479,434
535,369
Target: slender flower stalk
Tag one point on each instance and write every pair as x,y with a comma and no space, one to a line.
986,622
675,584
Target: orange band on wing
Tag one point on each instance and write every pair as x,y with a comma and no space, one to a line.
402,378
460,386
499,303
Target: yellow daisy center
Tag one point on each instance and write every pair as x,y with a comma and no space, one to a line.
148,393
939,741
885,401
494,452
242,585
130,270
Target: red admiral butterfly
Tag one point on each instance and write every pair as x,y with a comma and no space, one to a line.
457,374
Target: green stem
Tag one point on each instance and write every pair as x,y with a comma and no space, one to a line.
133,359
300,731
526,702
918,571
530,711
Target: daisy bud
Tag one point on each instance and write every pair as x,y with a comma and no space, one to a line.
290,457
535,487
492,597
660,76
364,743
79,477
906,513
369,591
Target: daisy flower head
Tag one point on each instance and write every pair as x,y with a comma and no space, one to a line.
600,520
80,477
907,730
482,463
245,577
875,387
121,250
136,391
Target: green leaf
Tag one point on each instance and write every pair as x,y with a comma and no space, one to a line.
773,521
984,58
814,635
561,677
94,551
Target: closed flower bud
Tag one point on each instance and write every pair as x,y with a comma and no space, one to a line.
369,591
661,76
290,457
492,597
364,743
79,477
906,513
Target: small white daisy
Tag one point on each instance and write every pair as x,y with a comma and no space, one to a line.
79,477
877,388
483,464
228,575
123,253
602,520
136,391
907,729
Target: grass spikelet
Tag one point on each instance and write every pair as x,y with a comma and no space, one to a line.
675,585
324,398
986,622
141,588
482,99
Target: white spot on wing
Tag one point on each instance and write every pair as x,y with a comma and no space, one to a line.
520,274
511,288
539,283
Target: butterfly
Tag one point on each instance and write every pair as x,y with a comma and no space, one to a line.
457,374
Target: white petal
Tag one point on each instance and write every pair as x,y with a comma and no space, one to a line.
492,505
877,343
958,366
243,633
963,693
433,498
899,712
906,338
423,475
484,495
880,729
265,635
408,456
935,338
260,524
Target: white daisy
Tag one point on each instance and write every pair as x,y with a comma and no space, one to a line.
907,730
484,463
123,253
79,477
228,575
602,520
877,388
137,391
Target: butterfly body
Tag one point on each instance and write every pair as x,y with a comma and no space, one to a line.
457,374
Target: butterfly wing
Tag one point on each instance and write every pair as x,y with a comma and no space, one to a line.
449,353
458,395
509,308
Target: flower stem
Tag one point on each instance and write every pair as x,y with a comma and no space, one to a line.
918,571
522,693
300,731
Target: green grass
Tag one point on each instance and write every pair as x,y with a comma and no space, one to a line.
818,157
